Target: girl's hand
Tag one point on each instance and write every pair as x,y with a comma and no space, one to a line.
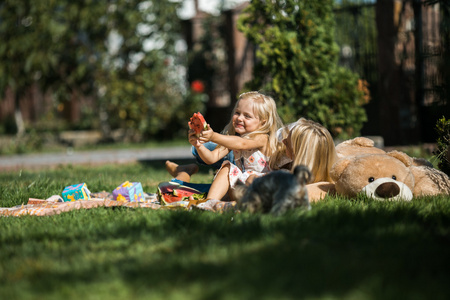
206,135
193,139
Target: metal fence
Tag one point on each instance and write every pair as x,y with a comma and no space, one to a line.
421,61
356,36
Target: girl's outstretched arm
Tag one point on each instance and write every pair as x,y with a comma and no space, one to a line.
234,142
210,157
193,138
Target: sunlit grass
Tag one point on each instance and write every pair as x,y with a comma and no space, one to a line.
340,249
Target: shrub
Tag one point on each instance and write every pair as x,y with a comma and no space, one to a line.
297,63
443,145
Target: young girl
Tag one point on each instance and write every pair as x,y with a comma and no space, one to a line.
250,134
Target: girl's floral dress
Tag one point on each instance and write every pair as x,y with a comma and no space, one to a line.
247,162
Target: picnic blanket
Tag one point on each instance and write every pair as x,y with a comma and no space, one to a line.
54,205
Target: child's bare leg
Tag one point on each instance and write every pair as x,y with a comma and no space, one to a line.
250,179
183,172
220,185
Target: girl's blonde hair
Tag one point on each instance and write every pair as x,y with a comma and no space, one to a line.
265,109
312,146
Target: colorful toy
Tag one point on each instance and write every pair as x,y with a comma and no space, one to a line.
76,192
129,192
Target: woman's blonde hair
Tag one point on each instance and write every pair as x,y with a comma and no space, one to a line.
312,146
265,109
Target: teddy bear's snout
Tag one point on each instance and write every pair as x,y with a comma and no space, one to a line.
387,190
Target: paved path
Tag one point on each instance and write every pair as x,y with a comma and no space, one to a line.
14,162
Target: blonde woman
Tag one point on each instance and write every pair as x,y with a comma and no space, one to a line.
308,143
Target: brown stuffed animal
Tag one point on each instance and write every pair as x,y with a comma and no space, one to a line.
361,167
380,176
361,162
430,181
357,146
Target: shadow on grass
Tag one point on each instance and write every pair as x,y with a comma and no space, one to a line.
393,252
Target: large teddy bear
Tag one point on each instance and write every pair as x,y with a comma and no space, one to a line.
363,168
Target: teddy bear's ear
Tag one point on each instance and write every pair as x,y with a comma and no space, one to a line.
338,168
363,142
401,156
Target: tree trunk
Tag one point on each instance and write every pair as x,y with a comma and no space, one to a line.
20,124
399,124
105,128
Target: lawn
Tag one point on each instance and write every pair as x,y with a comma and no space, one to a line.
340,249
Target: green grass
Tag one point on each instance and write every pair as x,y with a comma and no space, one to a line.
340,249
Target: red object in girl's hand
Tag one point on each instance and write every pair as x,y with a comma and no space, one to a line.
198,123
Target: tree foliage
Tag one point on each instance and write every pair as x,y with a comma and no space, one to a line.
442,151
297,62
121,52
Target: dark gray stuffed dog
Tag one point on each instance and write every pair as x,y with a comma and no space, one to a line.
275,192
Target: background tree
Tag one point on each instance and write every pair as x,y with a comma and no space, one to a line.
121,52
297,62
